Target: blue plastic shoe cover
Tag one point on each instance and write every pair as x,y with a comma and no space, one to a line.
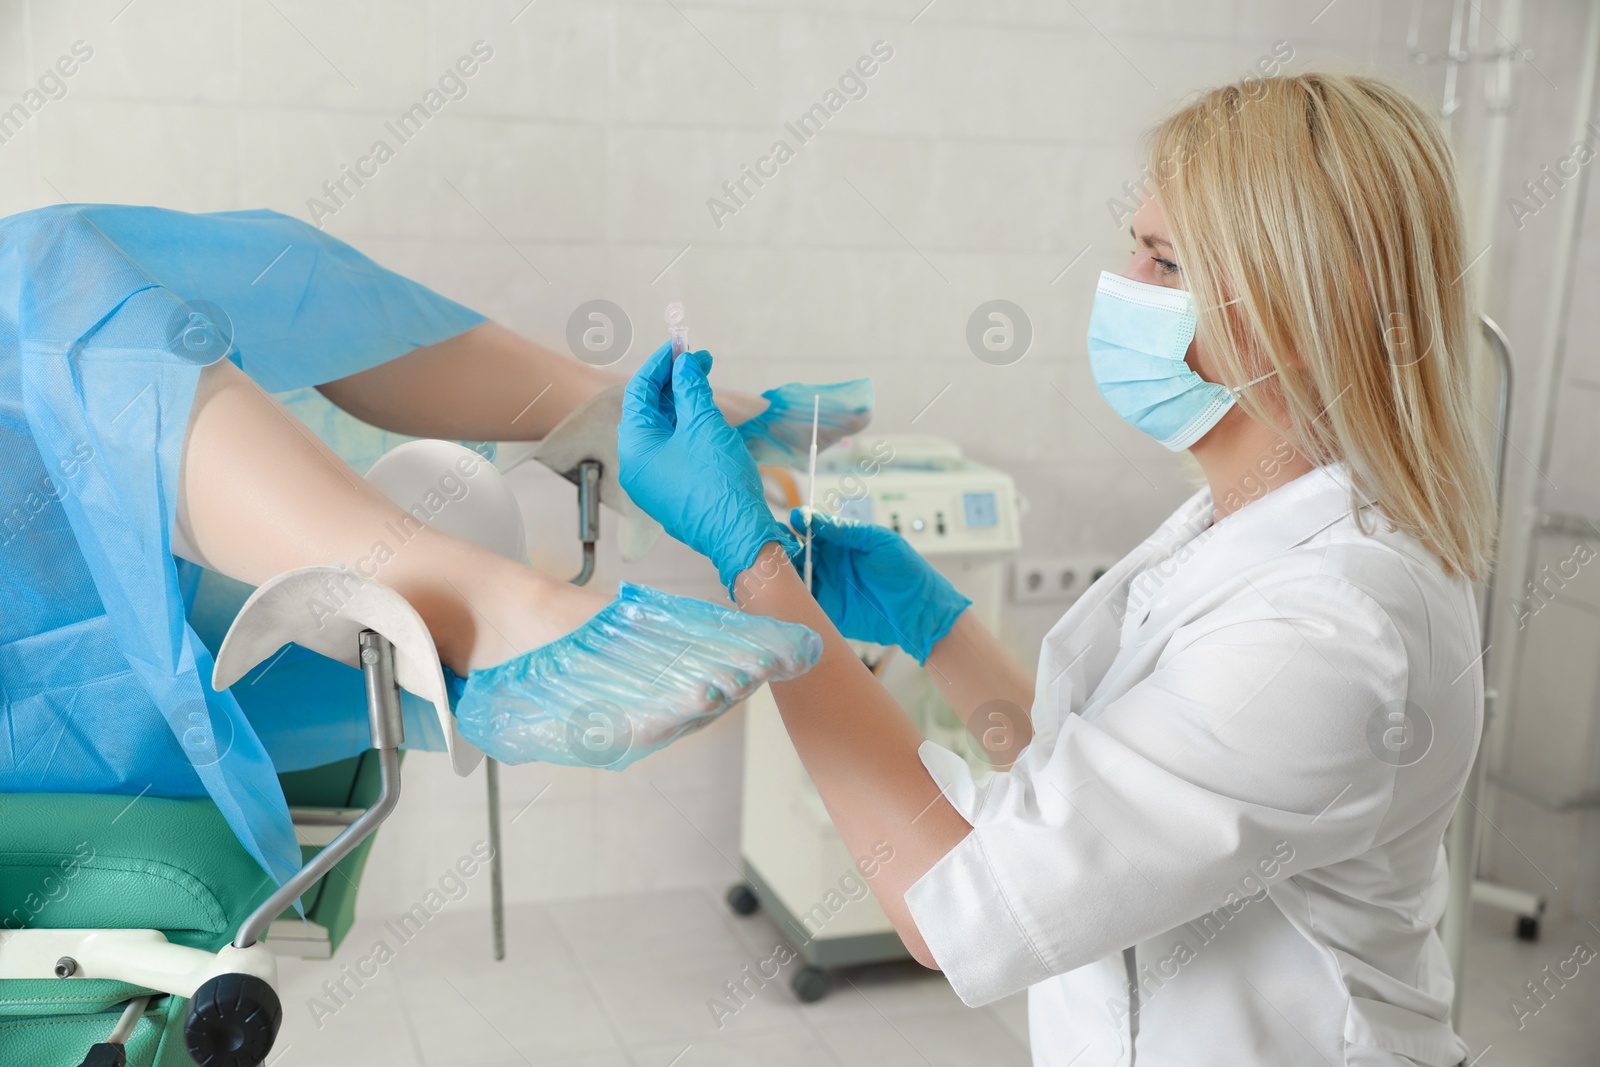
781,435
649,668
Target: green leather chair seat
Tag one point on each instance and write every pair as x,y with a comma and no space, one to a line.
43,1023
91,861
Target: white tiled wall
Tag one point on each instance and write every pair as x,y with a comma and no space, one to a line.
579,164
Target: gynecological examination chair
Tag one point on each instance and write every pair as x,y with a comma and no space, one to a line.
156,823
134,935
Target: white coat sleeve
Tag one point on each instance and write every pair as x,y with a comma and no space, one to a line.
1249,736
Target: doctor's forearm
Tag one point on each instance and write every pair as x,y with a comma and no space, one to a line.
859,748
986,686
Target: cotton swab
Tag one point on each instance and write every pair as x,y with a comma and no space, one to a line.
811,488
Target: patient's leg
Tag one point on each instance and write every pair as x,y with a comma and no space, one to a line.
487,384
553,672
261,494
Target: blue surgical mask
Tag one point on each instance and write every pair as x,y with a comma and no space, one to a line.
1138,334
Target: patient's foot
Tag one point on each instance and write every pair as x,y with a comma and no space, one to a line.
781,434
642,671
483,609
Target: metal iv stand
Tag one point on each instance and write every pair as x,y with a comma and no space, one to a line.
1463,832
1517,554
587,477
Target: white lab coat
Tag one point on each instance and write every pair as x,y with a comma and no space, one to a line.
1227,777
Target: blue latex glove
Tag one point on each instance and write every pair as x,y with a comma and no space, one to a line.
689,470
875,587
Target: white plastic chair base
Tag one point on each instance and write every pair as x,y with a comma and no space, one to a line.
140,957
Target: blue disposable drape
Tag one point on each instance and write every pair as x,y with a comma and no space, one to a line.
107,316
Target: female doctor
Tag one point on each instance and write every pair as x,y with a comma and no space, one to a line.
1217,838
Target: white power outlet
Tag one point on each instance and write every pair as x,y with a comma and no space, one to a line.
1055,579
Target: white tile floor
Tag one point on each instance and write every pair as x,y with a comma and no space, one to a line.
625,981
618,937
622,980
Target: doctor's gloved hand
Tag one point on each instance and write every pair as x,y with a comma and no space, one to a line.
875,587
683,464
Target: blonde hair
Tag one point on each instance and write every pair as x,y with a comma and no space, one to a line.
1324,207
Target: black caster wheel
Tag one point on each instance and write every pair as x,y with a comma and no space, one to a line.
743,900
1527,929
233,1020
810,984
